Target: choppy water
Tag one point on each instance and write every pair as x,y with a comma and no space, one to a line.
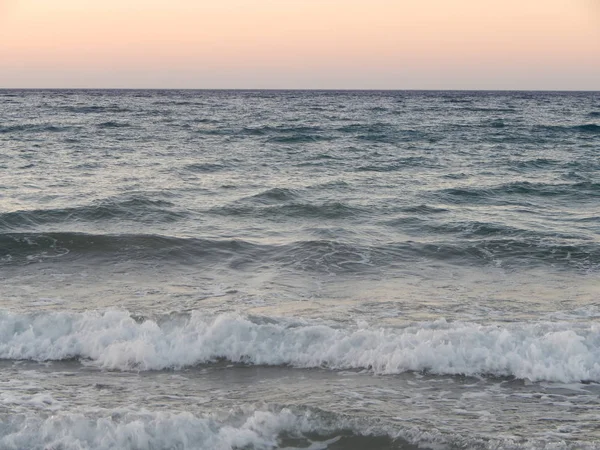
299,270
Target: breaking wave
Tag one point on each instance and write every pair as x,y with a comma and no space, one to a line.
562,352
126,429
260,429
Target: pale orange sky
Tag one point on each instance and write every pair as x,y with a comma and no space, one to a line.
351,44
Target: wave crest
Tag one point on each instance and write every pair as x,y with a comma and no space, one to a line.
260,430
115,340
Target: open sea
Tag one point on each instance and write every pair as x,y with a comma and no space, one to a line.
259,270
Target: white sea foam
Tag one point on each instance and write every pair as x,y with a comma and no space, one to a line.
150,430
563,352
259,430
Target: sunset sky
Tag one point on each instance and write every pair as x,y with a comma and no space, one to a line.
321,44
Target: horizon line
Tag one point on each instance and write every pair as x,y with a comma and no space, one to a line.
291,89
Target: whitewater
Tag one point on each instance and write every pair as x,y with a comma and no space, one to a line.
115,340
299,270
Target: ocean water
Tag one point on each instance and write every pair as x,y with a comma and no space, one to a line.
299,270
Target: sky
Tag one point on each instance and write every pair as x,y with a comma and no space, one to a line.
301,44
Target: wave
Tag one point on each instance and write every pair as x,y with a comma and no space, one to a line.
96,109
488,109
132,207
514,252
114,124
561,352
423,209
33,247
204,167
457,98
591,128
382,132
33,128
127,429
536,163
496,124
291,428
275,195
299,138
322,256
287,134
283,134
588,128
400,164
311,211
337,185
510,237
503,192
285,129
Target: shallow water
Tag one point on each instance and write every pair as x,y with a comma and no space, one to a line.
288,269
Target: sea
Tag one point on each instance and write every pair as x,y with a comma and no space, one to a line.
259,270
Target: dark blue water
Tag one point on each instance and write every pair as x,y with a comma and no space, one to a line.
295,269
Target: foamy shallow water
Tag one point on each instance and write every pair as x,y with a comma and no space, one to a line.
110,380
223,405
